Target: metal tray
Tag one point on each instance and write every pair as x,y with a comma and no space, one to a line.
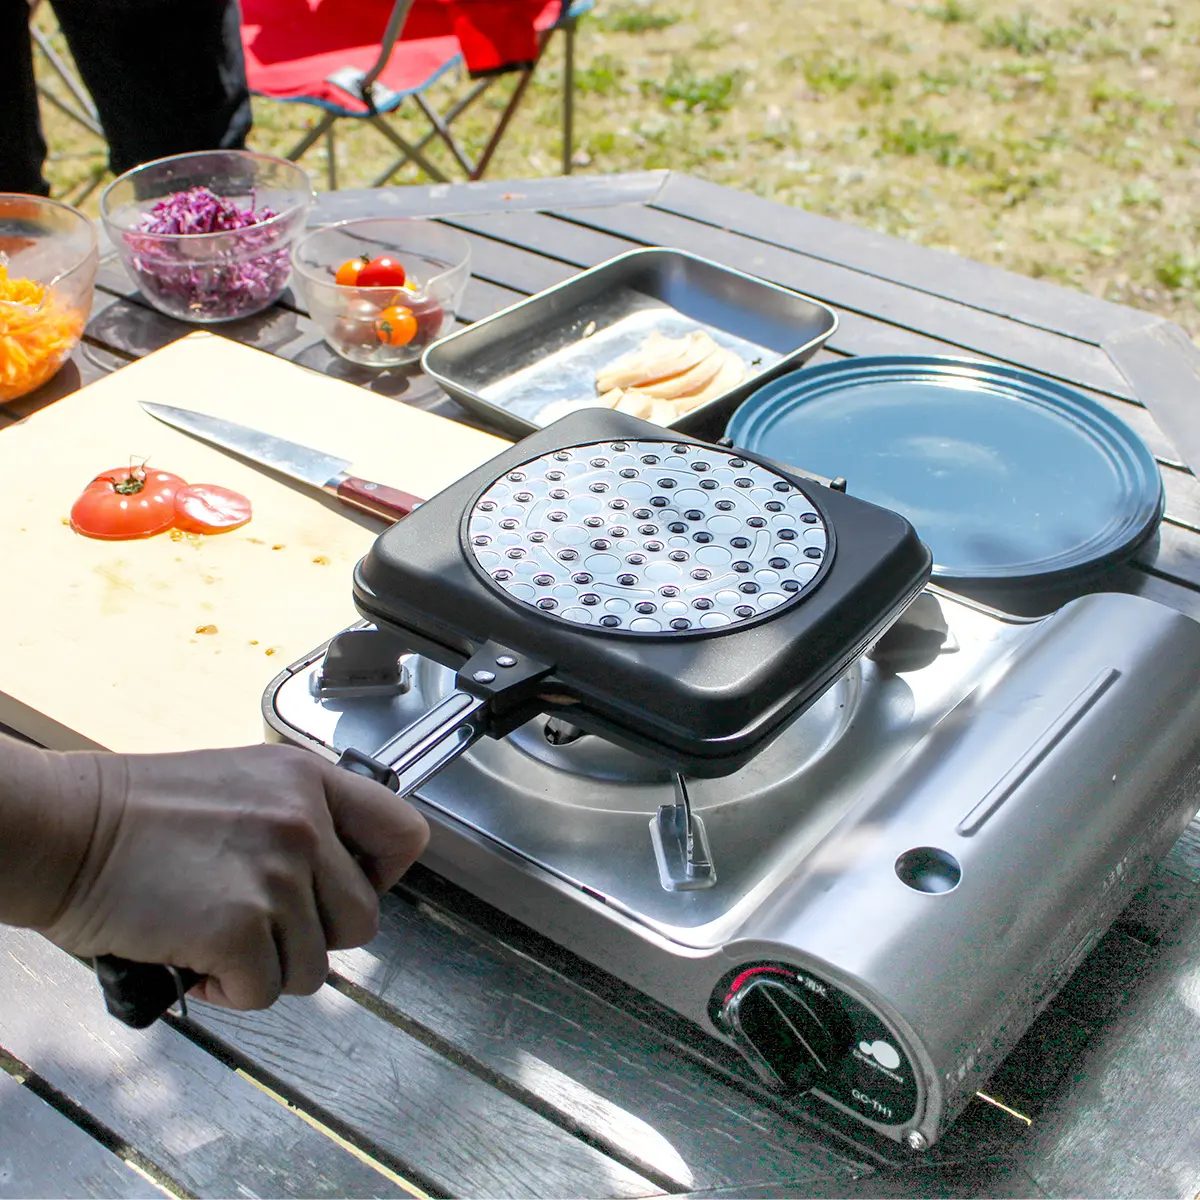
511,365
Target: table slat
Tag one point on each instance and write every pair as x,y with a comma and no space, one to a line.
43,1154
1128,1123
457,1132
858,333
210,1130
992,289
848,290
982,1132
512,195
601,1069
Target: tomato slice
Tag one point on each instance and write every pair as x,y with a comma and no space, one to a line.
127,502
384,270
210,508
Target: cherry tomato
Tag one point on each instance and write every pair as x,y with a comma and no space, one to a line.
126,502
382,271
396,326
430,316
347,274
355,325
210,508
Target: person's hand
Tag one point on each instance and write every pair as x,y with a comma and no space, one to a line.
245,865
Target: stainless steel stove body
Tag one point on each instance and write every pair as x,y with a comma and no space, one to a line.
897,884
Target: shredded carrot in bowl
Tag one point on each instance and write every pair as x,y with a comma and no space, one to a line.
37,332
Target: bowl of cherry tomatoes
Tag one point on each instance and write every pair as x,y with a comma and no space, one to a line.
382,288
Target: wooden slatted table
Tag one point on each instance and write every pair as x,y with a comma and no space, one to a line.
460,1054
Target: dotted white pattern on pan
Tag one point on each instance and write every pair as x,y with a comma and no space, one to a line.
647,536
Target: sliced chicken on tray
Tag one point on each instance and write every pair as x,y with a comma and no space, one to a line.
730,373
688,382
633,403
658,357
668,399
662,379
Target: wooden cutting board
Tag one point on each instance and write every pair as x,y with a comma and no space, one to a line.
166,643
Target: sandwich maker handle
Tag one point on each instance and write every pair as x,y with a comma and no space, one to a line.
139,993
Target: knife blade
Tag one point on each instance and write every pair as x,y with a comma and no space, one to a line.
313,468
1161,364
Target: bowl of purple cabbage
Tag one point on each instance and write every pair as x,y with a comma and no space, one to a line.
207,237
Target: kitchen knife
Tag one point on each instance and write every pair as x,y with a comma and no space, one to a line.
1162,367
311,467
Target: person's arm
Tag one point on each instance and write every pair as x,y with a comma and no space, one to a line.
48,808
245,865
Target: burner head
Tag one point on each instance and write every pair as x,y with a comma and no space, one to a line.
689,601
648,537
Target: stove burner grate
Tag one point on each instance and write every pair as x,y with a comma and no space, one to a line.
648,537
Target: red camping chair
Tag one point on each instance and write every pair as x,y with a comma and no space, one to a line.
362,59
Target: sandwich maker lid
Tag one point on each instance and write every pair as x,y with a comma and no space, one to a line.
1008,477
589,547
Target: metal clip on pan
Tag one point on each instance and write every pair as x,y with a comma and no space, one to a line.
497,691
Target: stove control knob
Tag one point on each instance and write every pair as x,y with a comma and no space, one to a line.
793,1037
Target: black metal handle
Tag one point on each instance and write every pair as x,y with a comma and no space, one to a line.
139,993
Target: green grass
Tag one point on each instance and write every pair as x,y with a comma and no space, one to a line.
1179,272
1023,33
830,75
953,12
691,90
911,137
1059,139
600,77
641,19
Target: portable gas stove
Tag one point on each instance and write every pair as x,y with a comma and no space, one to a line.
864,848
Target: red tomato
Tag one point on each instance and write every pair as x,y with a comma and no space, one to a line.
126,502
347,274
355,325
210,508
396,326
430,316
383,271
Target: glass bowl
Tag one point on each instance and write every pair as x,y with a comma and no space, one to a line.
208,277
356,321
48,259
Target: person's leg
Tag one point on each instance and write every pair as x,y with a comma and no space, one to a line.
167,76
22,150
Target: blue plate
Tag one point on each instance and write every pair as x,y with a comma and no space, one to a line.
1006,476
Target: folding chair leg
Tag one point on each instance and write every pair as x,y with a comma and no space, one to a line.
331,159
85,114
440,125
410,151
452,114
311,138
568,99
494,141
80,118
443,131
85,189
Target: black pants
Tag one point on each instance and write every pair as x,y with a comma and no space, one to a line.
167,76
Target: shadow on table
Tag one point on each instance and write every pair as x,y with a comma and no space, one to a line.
135,329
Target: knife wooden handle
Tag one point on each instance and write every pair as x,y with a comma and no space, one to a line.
376,498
